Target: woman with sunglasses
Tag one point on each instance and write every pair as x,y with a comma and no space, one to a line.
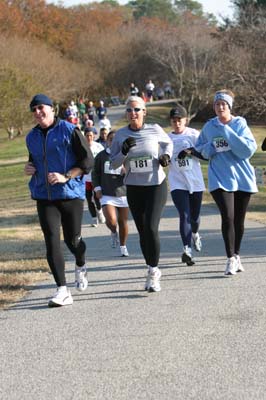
58,158
144,149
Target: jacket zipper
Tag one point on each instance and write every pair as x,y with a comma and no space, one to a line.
46,167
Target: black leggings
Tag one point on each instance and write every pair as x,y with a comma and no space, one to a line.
53,214
146,205
93,202
233,207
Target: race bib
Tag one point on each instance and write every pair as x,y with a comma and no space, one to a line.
221,144
185,164
107,169
141,164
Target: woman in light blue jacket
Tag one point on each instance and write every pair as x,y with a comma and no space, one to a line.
228,143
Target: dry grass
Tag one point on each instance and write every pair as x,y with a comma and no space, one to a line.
21,254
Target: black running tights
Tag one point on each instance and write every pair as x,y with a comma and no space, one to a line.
233,207
53,214
146,204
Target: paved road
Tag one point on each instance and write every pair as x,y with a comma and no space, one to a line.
202,337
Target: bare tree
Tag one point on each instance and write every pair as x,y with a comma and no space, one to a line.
187,52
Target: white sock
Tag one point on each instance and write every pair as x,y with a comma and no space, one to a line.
81,268
62,288
152,270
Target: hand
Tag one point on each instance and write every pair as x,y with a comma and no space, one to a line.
55,177
99,194
164,160
182,154
127,144
29,168
186,152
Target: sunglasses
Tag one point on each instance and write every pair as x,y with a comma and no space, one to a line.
34,109
135,109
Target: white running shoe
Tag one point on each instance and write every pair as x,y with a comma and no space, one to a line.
81,281
196,241
94,223
114,240
230,266
124,252
61,298
153,281
239,266
101,217
187,256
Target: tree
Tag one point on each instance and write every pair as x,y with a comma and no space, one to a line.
187,53
250,12
152,8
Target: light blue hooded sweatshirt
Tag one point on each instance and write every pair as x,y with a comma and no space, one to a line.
228,147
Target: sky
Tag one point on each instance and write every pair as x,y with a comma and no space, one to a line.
218,8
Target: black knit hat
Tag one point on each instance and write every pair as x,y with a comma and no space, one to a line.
39,99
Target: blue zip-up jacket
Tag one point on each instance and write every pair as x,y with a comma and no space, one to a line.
53,152
228,148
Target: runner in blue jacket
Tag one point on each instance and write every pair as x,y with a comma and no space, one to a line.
58,158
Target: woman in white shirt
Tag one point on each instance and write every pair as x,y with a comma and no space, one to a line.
186,181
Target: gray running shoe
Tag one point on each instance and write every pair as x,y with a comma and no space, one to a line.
81,281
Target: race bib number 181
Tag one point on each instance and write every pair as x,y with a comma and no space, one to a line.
141,164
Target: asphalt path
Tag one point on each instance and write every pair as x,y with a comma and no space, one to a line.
201,337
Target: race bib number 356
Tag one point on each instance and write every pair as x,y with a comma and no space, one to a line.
141,164
221,144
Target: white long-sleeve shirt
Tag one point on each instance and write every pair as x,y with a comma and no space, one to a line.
185,174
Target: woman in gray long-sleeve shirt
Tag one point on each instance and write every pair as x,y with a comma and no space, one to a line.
144,149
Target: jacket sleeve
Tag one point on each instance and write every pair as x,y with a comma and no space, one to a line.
97,171
204,147
117,158
166,144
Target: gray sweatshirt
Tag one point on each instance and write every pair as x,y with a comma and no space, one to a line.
141,163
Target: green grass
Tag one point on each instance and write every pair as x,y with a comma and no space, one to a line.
11,149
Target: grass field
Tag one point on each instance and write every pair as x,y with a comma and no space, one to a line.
22,251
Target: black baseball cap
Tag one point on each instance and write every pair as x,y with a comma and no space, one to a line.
178,112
